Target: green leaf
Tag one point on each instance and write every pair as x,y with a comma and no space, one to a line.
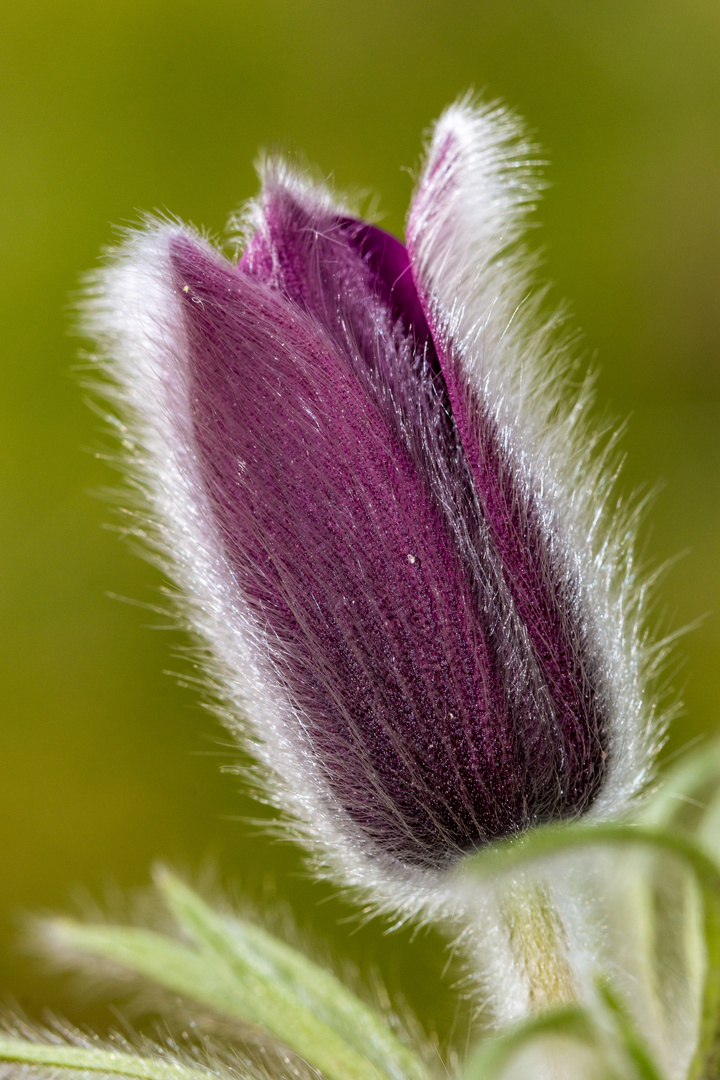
681,787
686,800
242,981
97,1060
569,1022
492,1057
170,963
251,953
554,840
632,1041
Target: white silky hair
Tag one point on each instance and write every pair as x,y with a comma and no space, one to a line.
465,239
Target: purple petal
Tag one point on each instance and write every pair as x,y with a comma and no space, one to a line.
343,560
364,478
444,218
355,281
391,276
353,278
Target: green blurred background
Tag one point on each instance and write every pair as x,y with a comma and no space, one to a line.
108,109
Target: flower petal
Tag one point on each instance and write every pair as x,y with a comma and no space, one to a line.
336,267
342,557
324,574
465,220
355,281
332,436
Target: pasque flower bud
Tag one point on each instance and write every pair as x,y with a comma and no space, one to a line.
363,473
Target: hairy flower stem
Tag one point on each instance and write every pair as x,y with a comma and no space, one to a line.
539,947
534,971
531,970
529,949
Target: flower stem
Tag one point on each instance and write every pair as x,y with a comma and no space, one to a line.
539,947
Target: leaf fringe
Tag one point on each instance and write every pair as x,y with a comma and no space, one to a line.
250,952
96,1060
246,975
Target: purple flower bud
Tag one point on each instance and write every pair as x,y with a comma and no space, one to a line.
364,477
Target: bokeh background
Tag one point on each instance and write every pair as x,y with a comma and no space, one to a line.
108,109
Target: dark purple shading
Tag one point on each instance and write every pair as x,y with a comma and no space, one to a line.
330,455
537,570
391,277
353,278
345,563
292,231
